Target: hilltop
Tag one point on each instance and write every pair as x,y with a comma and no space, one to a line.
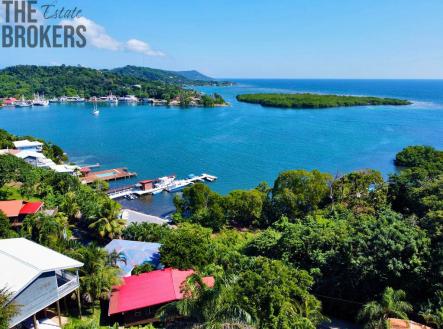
177,77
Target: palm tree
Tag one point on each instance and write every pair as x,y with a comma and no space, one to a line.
97,276
7,309
391,305
109,224
209,307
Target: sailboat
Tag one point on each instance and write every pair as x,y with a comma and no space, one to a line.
23,103
40,101
95,112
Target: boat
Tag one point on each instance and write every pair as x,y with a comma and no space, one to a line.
23,103
163,182
74,99
178,185
96,112
128,99
54,100
111,99
39,101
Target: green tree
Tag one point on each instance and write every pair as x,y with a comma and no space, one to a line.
187,247
392,304
299,192
109,225
8,309
277,296
244,208
97,275
147,232
362,191
215,307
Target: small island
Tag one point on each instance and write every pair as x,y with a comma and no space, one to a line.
313,101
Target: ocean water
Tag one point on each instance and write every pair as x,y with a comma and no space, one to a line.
243,144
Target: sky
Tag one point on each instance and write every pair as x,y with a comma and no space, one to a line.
255,38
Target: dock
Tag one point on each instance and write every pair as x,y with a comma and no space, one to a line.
124,191
107,175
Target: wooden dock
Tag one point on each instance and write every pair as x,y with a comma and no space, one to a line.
107,175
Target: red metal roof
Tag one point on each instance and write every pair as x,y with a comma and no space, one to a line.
11,208
150,289
31,208
146,181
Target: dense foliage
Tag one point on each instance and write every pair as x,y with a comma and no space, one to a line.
316,100
56,81
179,77
356,235
355,246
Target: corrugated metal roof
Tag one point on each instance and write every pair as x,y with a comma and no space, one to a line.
150,289
135,252
11,208
23,260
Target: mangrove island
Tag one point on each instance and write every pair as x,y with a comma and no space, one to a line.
308,100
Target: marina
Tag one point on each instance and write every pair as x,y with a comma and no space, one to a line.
105,175
155,186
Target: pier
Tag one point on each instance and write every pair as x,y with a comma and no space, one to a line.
107,175
124,191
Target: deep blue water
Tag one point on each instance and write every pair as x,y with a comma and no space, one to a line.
243,144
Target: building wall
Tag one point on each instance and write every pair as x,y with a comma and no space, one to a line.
38,295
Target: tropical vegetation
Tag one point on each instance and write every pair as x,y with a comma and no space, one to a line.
310,246
306,100
57,81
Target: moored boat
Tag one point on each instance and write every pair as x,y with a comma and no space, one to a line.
178,185
23,103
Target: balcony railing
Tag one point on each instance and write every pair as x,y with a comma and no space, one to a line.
66,282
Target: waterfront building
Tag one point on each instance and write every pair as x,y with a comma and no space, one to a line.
37,159
134,253
37,277
136,301
26,145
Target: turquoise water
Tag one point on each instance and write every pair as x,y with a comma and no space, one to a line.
242,144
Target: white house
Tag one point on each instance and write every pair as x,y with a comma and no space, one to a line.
36,276
37,159
26,145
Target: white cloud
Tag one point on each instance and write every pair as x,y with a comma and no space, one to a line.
95,34
97,37
142,47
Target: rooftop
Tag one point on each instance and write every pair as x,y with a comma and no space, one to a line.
27,143
14,208
23,261
150,289
135,252
11,208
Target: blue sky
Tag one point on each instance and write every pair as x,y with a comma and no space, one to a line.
258,38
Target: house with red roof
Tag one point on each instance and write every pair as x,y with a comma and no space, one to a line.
138,298
16,210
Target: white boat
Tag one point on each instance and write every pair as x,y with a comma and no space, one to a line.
178,185
95,112
128,99
54,100
23,103
163,182
39,101
74,99
111,99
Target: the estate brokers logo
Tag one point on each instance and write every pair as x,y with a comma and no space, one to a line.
23,26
